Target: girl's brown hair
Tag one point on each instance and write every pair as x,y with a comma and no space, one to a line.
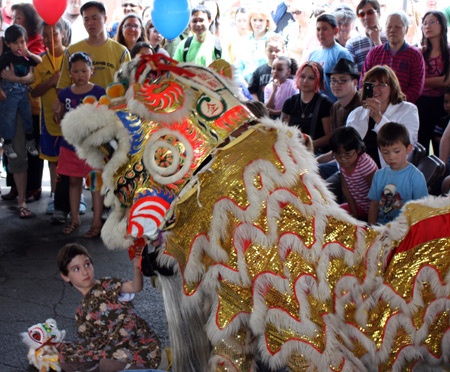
67,253
384,74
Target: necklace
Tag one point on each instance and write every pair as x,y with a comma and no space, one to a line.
303,109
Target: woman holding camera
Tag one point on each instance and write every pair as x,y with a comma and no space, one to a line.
383,102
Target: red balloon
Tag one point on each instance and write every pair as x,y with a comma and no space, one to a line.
50,10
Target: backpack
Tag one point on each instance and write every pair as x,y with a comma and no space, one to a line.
217,48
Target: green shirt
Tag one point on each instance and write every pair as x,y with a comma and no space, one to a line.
199,53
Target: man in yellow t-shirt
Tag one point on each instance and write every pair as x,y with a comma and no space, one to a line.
106,54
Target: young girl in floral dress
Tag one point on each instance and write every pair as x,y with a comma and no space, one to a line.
113,336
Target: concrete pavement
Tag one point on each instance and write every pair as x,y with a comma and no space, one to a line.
31,289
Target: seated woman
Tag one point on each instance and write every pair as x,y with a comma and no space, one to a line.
387,104
309,110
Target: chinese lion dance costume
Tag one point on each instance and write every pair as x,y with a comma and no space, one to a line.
266,266
41,340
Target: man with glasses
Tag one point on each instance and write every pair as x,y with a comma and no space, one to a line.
344,85
368,11
406,60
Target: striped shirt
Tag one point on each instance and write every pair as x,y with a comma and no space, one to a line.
408,65
359,46
356,181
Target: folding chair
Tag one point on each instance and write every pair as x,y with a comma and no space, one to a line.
432,168
418,153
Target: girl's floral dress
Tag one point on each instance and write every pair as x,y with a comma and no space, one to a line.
111,329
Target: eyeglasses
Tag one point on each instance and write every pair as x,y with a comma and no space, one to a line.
131,5
380,85
129,25
296,12
348,155
340,81
369,13
431,23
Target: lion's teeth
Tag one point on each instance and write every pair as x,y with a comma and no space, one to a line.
113,143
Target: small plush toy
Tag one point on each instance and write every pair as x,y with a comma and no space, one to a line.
41,339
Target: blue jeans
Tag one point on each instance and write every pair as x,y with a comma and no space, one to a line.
16,100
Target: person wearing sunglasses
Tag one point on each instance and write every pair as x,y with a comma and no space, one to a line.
406,60
368,12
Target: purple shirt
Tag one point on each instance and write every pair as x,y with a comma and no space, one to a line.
71,100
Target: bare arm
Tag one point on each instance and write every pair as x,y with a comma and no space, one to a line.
373,212
41,89
444,147
325,158
271,101
351,202
255,97
58,109
137,283
285,118
34,57
436,82
369,178
9,75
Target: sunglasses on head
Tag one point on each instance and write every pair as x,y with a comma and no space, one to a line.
369,12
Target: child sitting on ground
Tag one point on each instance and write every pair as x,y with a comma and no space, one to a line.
14,95
397,183
357,169
113,336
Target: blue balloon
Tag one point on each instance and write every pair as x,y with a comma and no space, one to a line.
171,17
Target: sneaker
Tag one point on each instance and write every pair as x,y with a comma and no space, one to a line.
9,151
31,147
58,218
50,207
82,207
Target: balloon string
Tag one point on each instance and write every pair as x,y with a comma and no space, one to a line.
54,62
53,48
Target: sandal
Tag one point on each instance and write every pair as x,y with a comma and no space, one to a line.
70,228
94,232
24,213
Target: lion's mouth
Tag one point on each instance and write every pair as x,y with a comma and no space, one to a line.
108,149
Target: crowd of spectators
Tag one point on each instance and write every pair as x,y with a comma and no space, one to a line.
306,62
